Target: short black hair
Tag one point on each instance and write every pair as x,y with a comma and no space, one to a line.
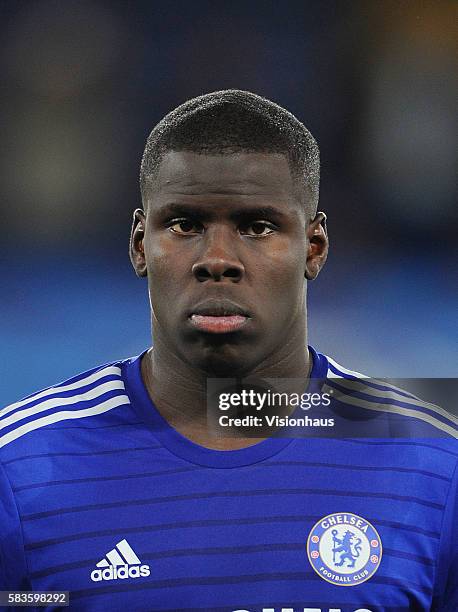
232,121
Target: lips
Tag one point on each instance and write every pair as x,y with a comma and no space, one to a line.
218,317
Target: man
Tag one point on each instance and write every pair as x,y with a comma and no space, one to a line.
115,488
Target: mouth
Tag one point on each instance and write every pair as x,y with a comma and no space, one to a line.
218,317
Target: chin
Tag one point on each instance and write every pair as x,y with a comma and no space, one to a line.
224,361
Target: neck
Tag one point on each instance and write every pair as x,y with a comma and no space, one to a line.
178,390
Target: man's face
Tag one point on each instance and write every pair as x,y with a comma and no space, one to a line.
224,247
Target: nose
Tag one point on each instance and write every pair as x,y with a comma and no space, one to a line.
218,262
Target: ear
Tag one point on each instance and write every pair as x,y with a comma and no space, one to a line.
318,245
136,248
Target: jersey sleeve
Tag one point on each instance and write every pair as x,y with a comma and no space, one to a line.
13,568
446,583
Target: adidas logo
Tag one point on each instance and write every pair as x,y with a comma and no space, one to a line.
119,563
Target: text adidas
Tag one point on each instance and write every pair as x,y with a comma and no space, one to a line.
120,572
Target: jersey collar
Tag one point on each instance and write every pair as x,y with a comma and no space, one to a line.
184,448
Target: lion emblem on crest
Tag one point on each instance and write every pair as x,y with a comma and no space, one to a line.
349,548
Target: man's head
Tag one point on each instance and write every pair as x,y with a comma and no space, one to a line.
235,121
229,232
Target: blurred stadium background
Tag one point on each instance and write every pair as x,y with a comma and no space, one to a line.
84,82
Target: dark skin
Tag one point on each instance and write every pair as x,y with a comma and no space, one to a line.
229,227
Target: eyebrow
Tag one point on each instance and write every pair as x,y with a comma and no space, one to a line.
205,211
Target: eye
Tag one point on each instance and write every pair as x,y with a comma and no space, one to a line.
185,226
258,228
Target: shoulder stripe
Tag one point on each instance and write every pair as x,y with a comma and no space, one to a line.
110,370
114,402
58,402
381,389
417,414
338,371
378,394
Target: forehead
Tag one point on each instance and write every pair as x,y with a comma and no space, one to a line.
243,173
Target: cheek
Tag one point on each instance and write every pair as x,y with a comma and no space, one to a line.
282,266
159,259
168,274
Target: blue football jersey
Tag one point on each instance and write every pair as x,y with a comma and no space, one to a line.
100,497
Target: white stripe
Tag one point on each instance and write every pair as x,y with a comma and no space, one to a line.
76,385
115,558
103,563
358,375
128,553
114,402
62,401
397,410
342,369
377,393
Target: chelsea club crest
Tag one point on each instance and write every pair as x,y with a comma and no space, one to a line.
344,549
